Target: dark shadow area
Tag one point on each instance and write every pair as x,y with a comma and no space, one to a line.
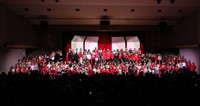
167,89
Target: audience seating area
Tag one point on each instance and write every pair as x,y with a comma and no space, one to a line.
168,89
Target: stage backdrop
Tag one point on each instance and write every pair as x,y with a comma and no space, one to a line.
118,43
78,42
91,42
104,40
132,42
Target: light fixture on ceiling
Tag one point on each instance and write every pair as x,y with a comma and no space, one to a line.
172,1
158,1
77,9
132,10
105,20
105,9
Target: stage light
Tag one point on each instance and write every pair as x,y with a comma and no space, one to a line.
105,21
172,1
158,1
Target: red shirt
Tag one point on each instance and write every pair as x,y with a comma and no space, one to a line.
139,51
125,55
112,55
168,67
107,55
104,56
80,55
120,56
193,67
93,56
188,64
153,65
176,68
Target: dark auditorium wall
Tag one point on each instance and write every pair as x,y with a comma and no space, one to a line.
13,30
186,37
55,40
198,27
185,32
49,40
2,26
16,34
155,40
19,30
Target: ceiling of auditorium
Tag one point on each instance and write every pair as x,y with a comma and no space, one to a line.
89,12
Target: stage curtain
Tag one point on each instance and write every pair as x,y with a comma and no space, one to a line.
104,42
67,42
142,47
67,47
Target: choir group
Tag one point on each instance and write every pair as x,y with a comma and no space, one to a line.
98,61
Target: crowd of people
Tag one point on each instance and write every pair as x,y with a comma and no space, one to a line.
96,61
96,78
